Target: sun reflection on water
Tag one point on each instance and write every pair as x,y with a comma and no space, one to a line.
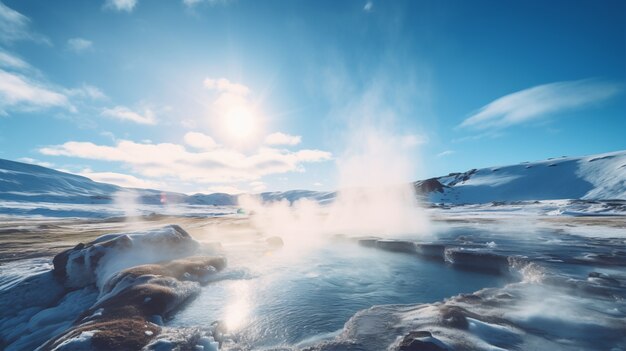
237,311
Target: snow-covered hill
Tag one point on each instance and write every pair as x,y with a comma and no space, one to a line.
597,177
26,182
31,183
23,182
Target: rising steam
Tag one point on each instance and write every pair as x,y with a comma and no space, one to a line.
375,196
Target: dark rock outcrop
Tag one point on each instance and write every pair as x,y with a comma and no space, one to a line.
396,245
420,341
425,187
477,260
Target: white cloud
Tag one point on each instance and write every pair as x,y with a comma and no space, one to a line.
10,61
311,155
318,184
20,92
225,86
279,138
35,162
445,153
257,186
120,179
86,91
79,45
413,140
200,141
172,160
23,88
15,27
369,6
124,113
235,117
540,101
109,135
121,5
191,2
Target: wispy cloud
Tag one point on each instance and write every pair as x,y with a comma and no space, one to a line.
79,45
35,162
225,86
121,179
220,165
86,91
9,60
121,5
257,186
279,138
445,153
192,3
369,6
539,102
23,88
22,93
15,27
412,140
200,141
125,113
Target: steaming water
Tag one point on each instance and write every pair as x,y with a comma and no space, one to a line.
278,299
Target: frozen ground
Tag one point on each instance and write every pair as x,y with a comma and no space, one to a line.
489,279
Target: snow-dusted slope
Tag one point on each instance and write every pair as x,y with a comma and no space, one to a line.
31,183
597,177
26,182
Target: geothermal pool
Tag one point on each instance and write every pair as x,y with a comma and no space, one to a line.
284,297
558,284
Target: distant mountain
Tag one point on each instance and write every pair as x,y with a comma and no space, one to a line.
597,177
293,195
26,182
32,183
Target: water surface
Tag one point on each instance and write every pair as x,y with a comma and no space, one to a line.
285,298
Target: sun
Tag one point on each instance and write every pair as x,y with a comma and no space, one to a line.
240,123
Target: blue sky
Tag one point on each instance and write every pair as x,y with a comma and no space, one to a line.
263,95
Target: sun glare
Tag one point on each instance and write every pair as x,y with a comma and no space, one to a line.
240,123
237,311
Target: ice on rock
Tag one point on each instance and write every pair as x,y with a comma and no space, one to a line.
82,342
106,291
98,260
207,343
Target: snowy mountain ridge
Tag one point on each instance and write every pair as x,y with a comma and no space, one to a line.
595,177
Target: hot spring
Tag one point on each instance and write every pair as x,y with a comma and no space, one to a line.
273,297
